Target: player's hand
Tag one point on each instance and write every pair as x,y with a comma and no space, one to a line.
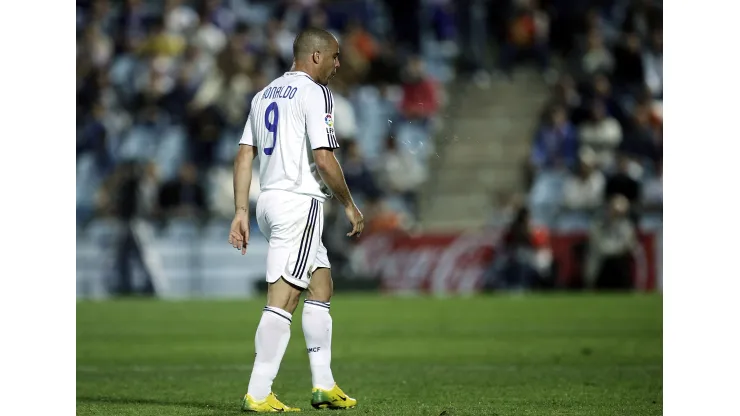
355,217
239,233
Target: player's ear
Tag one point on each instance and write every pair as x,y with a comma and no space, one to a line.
315,57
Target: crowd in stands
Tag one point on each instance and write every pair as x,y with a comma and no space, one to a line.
595,165
164,88
601,134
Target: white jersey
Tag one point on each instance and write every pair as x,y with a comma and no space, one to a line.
284,114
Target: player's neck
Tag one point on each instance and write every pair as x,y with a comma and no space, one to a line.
301,68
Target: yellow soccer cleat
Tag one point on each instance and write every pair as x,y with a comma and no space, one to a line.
271,404
331,399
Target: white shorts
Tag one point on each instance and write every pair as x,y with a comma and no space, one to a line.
293,225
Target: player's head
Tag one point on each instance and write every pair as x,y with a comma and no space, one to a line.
316,52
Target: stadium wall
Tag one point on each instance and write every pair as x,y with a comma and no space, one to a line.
196,262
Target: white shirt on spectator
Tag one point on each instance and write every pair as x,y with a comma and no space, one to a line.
181,20
401,171
602,137
209,38
345,124
579,193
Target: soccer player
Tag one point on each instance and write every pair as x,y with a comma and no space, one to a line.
293,112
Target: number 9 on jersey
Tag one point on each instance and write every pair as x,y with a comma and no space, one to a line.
272,127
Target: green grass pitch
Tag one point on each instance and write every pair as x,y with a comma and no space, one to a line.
587,355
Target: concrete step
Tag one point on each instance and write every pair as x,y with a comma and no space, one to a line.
513,129
506,158
439,211
459,180
486,140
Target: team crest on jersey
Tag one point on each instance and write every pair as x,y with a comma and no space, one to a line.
329,120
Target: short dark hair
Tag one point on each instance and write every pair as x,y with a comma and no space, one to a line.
310,41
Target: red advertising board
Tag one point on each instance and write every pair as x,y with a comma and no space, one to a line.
455,263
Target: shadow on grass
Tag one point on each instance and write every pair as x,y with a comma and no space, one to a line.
182,403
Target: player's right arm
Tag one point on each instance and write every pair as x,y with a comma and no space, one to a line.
239,232
319,108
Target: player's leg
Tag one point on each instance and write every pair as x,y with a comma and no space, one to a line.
317,328
270,343
272,337
279,224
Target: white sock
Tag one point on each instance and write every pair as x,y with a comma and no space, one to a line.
317,330
270,342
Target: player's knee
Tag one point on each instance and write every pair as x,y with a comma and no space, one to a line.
322,287
283,295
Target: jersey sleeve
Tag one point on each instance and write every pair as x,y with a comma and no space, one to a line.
248,134
319,109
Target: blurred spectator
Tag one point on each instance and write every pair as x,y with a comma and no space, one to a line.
565,94
132,26
629,69
401,173
177,100
601,90
652,193
126,190
209,37
220,15
204,127
147,101
357,52
379,218
97,46
420,96
179,18
653,63
601,134
584,190
623,182
184,195
346,124
356,171
641,140
525,259
236,64
556,143
280,39
99,14
360,40
162,43
93,138
469,22
385,68
406,24
596,58
148,189
611,242
641,16
528,36
595,20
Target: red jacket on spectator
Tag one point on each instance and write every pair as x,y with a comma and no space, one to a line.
420,99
